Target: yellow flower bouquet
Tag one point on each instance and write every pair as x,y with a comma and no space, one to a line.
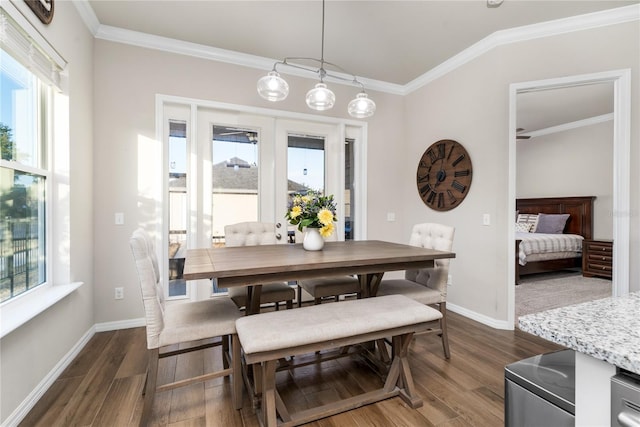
312,210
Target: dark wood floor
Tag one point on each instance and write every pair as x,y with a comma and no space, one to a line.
102,387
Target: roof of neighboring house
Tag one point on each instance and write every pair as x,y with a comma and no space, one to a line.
226,176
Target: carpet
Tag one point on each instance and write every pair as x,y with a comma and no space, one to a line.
539,292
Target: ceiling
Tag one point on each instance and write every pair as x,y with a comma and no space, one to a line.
391,41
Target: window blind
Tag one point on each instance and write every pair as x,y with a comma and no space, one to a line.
37,55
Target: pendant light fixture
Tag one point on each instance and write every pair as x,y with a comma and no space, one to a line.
274,88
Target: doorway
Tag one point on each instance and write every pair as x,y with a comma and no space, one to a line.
620,81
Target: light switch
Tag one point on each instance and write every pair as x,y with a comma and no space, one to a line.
119,218
486,219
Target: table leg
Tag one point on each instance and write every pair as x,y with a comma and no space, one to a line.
369,283
253,299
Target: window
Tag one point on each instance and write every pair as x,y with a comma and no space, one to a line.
23,173
178,206
27,78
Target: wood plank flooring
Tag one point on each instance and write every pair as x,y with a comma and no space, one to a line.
102,387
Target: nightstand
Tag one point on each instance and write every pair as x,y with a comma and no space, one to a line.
597,258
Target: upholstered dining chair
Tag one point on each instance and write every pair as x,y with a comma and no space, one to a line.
428,285
253,234
183,323
325,287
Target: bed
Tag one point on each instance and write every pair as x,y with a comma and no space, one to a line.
548,252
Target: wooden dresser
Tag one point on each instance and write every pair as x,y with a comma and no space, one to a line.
597,258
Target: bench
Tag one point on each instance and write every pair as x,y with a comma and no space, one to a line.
330,326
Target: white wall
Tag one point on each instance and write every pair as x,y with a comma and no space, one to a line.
578,162
471,105
32,351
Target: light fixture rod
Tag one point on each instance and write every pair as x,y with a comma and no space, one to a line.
322,43
320,71
274,88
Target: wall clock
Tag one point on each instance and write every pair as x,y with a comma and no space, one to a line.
42,8
444,175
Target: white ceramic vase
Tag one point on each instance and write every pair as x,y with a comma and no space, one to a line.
312,241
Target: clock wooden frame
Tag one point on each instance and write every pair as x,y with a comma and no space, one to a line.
444,175
42,8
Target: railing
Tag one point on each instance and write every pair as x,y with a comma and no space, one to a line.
19,257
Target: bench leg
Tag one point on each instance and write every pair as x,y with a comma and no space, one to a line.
269,416
402,372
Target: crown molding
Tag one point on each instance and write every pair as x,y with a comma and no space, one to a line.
528,32
88,15
567,126
499,38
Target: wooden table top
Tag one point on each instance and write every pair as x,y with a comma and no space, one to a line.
246,265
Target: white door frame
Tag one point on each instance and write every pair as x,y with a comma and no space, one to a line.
621,80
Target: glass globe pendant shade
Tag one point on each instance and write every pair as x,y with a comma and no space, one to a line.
272,87
361,106
320,98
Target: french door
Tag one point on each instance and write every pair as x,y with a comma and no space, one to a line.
227,167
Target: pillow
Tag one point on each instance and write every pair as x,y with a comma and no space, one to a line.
551,223
530,219
523,227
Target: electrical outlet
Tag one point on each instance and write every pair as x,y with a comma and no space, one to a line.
119,293
119,218
449,280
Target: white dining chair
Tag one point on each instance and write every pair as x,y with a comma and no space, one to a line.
182,323
427,285
254,233
321,288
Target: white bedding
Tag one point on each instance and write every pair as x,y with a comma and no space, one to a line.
548,246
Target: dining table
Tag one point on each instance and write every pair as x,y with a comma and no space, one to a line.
252,266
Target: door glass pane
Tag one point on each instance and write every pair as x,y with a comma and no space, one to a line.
178,213
349,193
234,180
305,168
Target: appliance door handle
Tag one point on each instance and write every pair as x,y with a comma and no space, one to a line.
629,418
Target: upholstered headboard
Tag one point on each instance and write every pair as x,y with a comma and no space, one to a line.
580,210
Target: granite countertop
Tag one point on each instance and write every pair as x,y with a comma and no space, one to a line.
607,329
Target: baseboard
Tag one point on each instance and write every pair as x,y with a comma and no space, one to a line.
120,324
27,404
485,320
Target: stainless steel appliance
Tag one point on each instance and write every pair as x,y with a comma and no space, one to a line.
540,391
625,399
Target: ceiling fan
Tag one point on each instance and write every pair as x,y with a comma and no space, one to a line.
519,131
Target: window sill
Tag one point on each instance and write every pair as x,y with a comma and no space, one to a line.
17,312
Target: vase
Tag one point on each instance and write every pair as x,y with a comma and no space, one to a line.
312,240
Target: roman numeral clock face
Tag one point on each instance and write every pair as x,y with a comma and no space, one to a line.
444,175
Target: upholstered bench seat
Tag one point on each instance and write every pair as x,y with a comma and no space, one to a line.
329,326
